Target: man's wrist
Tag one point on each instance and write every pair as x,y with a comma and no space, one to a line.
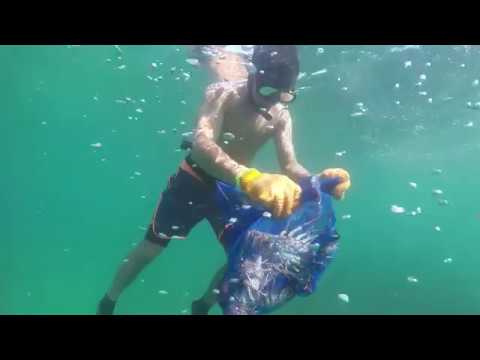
239,171
245,176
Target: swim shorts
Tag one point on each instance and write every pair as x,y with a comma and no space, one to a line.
187,200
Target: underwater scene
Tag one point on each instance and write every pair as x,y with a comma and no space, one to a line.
240,179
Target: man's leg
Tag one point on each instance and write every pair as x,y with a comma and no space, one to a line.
203,305
132,266
174,217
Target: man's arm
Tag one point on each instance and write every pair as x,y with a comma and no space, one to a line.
223,65
286,150
205,149
276,192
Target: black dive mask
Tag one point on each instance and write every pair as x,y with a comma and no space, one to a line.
276,83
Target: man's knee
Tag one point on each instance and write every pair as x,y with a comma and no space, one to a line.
156,241
150,250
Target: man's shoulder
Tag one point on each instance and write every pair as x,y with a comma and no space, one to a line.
224,88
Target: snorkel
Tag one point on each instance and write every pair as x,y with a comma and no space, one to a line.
272,76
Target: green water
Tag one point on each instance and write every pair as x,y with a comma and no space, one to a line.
71,212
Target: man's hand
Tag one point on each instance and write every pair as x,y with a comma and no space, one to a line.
273,191
335,182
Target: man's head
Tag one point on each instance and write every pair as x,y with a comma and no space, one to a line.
273,74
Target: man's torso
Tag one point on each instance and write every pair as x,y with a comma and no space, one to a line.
244,131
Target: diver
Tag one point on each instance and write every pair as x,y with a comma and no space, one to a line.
253,110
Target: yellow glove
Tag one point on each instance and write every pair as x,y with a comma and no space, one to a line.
338,191
273,191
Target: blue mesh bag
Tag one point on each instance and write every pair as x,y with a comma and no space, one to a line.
271,260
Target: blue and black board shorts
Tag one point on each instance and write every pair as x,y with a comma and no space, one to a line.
187,200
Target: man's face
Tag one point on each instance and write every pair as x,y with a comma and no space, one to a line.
267,96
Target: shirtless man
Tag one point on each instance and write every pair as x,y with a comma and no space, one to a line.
254,111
